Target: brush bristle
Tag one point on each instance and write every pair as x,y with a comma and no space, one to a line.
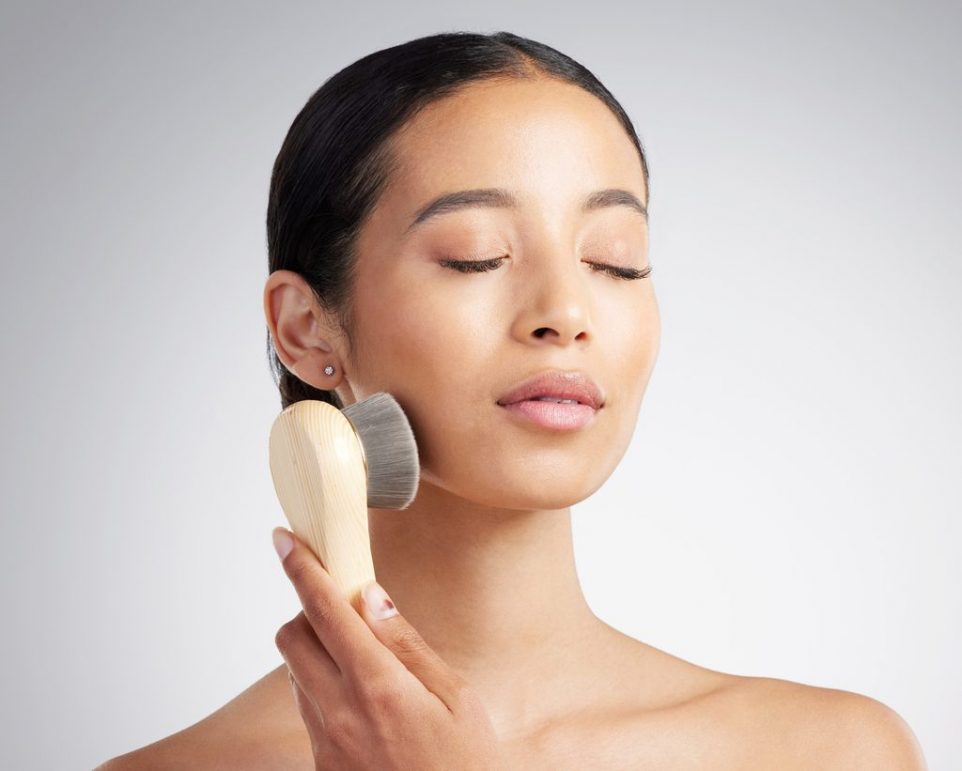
393,468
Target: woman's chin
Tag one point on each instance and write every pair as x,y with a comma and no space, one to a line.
521,489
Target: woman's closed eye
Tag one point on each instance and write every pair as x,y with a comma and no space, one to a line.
481,266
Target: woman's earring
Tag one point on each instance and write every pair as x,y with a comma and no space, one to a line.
329,369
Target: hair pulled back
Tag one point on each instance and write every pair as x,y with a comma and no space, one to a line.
336,158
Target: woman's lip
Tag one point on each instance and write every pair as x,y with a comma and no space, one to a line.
558,383
554,415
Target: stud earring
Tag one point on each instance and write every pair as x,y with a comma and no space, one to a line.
329,369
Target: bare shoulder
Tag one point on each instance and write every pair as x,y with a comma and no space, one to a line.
806,726
701,718
259,728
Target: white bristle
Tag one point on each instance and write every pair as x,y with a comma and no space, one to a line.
391,452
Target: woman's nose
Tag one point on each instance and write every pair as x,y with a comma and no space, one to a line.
556,307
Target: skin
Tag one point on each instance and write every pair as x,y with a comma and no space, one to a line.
481,564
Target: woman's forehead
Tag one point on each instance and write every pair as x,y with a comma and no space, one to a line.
514,155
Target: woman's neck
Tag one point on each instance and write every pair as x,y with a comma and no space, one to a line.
494,592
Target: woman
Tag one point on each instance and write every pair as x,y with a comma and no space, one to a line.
450,220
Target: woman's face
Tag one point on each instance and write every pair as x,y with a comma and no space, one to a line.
447,344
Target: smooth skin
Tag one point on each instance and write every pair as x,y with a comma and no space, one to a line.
481,565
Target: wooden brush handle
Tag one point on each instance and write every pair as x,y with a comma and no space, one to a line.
317,463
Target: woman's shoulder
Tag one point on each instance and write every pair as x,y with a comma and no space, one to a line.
837,728
259,728
700,716
775,723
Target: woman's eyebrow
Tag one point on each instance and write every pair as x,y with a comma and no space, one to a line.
501,198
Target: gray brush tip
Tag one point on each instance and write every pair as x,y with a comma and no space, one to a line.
393,468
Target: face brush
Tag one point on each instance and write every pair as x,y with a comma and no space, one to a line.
329,465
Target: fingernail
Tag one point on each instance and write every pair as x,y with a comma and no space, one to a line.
283,543
378,602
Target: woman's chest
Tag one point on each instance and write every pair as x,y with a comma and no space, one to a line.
616,744
687,738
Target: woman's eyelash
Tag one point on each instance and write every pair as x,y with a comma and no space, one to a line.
472,266
627,273
480,266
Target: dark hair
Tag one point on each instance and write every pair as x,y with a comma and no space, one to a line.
336,158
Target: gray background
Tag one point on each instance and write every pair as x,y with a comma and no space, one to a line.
789,506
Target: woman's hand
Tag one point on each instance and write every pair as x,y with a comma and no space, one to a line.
371,692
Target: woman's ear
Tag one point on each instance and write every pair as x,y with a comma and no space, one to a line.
302,331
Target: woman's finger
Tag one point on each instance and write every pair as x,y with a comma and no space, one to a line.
340,629
402,639
308,662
